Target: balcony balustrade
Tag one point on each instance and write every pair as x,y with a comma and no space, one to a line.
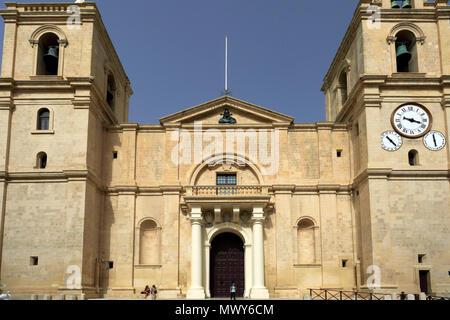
227,191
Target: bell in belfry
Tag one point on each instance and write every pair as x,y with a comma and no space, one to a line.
394,4
406,4
403,54
51,58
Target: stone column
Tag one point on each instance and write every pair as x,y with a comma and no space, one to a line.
259,291
196,290
207,271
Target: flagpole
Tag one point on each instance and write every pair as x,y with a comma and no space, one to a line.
226,63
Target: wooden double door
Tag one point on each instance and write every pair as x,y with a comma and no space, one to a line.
227,265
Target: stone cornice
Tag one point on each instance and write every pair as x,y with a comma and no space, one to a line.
359,98
323,188
172,190
6,94
101,107
7,83
282,189
388,173
42,83
57,176
150,190
140,128
86,100
41,13
334,126
129,126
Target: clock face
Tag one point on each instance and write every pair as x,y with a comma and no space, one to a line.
391,141
434,141
412,121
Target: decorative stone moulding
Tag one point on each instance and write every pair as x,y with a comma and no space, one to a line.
48,28
418,33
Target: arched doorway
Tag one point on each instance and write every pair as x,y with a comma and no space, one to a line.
227,265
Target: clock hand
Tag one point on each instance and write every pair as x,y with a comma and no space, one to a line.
391,141
434,139
412,120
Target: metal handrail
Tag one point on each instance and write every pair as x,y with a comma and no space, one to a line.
330,294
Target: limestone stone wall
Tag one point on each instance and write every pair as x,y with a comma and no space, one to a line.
44,220
383,62
65,143
309,150
408,218
380,121
76,60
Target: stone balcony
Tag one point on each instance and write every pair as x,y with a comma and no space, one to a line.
228,191
211,196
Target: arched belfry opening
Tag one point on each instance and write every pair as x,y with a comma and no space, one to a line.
111,91
342,86
406,52
227,265
48,54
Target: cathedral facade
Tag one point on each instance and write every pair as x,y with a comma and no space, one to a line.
225,191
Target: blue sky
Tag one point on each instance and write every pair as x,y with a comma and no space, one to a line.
173,52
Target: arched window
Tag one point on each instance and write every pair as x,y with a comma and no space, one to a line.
48,54
306,242
41,160
413,158
149,246
111,91
406,52
343,87
43,122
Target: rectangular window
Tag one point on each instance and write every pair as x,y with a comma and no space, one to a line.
229,179
339,153
111,264
115,154
34,261
421,258
344,263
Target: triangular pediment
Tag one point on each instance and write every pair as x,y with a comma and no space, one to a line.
210,113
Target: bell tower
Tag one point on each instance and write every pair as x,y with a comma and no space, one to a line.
61,86
390,82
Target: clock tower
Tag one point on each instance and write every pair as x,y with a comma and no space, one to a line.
390,82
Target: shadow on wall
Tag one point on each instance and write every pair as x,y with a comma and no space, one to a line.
106,263
106,266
